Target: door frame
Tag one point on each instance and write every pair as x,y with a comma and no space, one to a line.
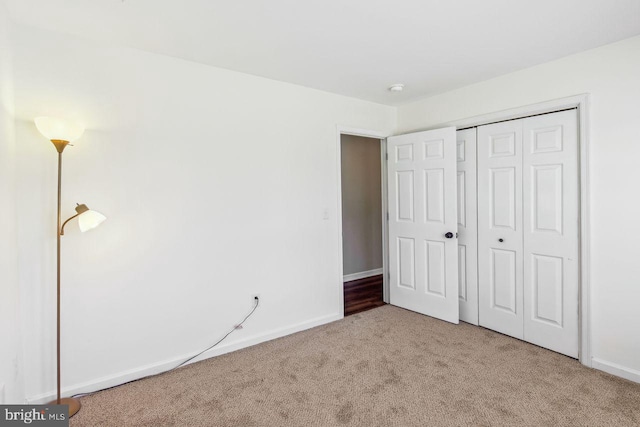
581,103
366,133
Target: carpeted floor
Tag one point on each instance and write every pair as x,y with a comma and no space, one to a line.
383,367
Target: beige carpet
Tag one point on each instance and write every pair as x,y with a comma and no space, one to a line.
384,367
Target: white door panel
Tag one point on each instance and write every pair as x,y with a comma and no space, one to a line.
503,283
422,209
467,226
550,183
500,269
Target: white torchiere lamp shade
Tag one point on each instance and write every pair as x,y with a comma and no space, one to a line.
58,129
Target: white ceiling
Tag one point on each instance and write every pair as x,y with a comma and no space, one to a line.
352,47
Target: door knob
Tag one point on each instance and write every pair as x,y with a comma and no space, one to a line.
449,235
500,240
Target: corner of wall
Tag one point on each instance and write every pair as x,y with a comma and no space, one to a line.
11,372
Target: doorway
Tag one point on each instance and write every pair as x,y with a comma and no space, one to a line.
362,223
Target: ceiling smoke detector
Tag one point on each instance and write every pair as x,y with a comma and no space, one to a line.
396,87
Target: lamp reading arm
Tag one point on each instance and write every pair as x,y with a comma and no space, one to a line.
80,209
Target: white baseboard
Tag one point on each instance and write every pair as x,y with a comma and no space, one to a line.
615,369
361,275
156,368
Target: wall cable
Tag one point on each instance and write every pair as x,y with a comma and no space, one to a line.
235,328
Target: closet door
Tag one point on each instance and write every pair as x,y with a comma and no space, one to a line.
550,184
467,226
500,256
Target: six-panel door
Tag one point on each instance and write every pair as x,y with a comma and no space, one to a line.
422,210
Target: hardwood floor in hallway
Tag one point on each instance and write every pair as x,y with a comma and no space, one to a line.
363,294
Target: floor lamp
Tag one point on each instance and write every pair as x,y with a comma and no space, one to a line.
61,133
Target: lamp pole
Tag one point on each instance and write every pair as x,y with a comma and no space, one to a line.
58,271
74,404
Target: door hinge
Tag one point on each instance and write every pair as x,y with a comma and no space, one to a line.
386,155
387,216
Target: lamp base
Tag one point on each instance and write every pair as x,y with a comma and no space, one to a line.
74,404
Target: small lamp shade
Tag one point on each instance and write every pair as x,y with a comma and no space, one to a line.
90,219
57,129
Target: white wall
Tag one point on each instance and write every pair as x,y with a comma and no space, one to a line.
11,371
11,380
214,184
611,74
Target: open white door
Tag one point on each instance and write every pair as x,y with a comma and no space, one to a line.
423,250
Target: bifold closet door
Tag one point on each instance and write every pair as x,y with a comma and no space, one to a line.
500,270
528,221
467,226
